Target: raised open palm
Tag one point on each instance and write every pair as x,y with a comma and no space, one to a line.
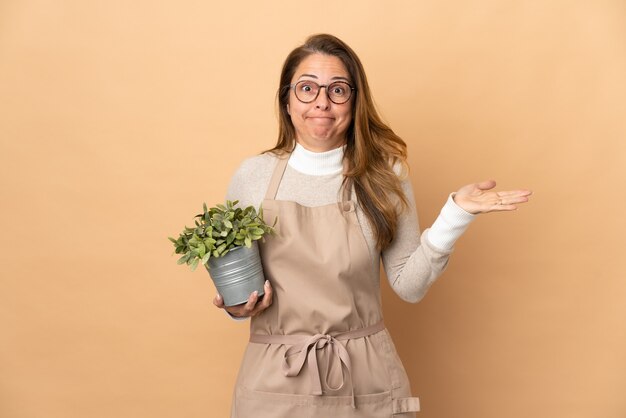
478,198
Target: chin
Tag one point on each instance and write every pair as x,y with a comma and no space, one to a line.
323,136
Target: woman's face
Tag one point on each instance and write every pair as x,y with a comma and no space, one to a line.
320,125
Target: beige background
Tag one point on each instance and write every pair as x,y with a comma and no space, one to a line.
118,119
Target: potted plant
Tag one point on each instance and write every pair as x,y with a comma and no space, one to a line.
224,240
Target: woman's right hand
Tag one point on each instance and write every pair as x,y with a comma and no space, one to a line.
251,307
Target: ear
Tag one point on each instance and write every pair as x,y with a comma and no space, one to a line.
288,110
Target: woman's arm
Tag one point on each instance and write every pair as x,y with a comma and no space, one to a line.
414,260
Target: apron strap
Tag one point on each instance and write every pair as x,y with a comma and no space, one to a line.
346,203
279,170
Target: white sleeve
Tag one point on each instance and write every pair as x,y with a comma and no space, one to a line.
449,225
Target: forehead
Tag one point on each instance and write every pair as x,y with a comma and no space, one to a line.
321,66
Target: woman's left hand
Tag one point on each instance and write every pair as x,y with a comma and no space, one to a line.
477,198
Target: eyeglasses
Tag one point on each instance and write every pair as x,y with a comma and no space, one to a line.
337,92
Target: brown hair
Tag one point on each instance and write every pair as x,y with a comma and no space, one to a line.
372,148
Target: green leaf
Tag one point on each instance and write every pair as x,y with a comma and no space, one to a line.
206,257
183,259
248,242
228,224
194,263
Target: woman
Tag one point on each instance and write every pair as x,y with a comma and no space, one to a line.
336,180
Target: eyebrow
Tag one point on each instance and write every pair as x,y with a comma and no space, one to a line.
338,77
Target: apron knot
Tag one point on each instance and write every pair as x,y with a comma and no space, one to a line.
305,348
307,353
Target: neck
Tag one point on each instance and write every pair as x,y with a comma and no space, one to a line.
317,163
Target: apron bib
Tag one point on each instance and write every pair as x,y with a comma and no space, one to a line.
321,349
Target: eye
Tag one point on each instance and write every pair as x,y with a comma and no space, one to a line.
306,86
338,89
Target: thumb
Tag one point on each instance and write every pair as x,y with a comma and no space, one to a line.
486,185
218,301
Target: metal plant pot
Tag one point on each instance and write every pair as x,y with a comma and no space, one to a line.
237,274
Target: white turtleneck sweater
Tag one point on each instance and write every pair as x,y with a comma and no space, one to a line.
413,260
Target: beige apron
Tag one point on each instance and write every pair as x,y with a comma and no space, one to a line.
321,349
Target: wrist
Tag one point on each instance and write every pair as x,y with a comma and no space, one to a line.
455,200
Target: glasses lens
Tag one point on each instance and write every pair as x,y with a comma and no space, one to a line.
306,90
339,92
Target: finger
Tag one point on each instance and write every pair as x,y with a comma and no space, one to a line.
218,301
506,207
511,200
243,309
268,296
266,300
519,192
517,199
252,300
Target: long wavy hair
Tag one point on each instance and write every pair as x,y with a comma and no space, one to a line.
372,148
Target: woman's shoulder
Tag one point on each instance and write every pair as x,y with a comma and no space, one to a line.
251,178
256,163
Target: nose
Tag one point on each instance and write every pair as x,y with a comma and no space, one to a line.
322,101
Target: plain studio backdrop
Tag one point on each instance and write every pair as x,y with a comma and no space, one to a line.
118,119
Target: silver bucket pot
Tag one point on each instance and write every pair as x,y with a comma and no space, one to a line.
237,274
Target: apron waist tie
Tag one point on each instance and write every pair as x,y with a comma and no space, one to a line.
306,347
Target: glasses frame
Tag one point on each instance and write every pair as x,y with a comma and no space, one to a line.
293,87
